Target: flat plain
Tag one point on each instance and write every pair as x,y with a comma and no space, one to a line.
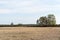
29,33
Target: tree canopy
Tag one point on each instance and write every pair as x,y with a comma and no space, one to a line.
47,20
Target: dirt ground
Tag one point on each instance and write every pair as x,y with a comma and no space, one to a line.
29,33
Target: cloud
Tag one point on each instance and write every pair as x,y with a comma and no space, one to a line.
6,11
50,2
27,6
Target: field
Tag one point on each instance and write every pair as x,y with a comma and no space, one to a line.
29,33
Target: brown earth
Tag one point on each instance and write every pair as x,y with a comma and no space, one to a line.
29,33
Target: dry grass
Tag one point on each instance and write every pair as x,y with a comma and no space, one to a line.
29,33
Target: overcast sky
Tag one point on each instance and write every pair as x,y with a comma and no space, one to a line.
27,11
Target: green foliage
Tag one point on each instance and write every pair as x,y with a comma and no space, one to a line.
49,20
43,20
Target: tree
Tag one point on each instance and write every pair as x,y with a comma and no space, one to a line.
38,22
12,23
43,20
49,20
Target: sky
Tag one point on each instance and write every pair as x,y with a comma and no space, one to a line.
27,11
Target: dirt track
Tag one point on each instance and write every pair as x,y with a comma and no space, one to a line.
30,33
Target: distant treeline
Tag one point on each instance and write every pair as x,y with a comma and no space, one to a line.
44,21
29,25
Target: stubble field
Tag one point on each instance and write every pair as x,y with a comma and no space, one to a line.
29,33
